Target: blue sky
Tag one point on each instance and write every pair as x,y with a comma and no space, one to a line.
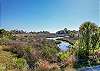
48,15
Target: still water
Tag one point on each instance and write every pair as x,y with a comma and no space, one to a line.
63,45
95,68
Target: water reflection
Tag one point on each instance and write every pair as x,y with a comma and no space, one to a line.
63,46
94,68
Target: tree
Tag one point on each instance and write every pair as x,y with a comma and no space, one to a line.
66,31
87,30
2,31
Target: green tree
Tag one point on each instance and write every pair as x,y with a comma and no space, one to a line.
66,31
87,30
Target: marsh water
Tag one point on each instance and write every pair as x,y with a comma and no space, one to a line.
94,68
63,45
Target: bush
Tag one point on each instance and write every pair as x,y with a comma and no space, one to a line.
2,67
48,52
21,63
63,55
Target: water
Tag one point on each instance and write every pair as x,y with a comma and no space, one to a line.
64,46
54,38
94,68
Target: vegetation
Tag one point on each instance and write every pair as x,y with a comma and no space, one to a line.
21,51
9,61
67,32
88,43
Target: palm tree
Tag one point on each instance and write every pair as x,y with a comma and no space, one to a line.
87,29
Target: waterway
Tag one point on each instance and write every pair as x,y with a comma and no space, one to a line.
63,45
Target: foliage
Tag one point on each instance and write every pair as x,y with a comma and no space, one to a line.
49,50
6,34
63,55
72,33
22,56
8,61
87,42
21,63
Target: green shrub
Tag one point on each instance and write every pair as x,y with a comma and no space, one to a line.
2,67
27,48
63,55
48,52
21,63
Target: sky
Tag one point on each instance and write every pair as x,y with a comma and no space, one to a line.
47,15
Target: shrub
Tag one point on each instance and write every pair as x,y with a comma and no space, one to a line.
63,55
21,63
49,52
